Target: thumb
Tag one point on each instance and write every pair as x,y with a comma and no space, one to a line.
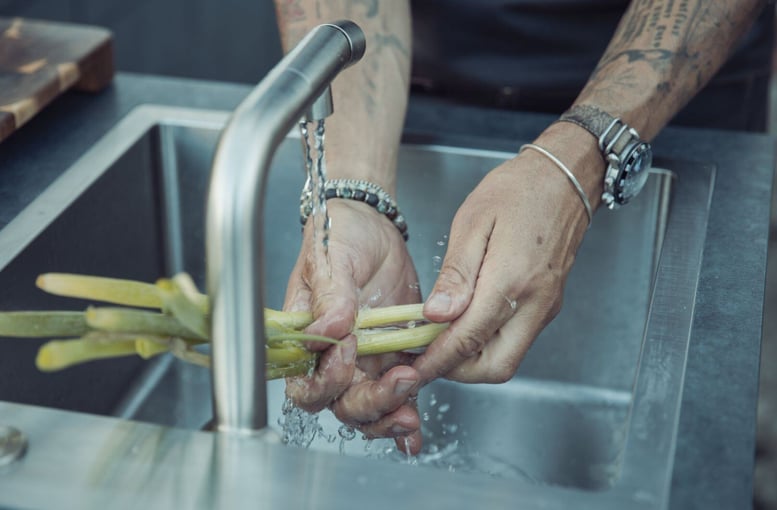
455,285
334,299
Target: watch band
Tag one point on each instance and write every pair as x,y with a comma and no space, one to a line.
612,134
624,153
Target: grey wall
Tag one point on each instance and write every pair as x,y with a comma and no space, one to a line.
227,40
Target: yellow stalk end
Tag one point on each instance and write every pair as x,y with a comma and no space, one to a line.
96,288
59,354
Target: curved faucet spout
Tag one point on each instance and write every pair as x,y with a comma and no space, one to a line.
235,219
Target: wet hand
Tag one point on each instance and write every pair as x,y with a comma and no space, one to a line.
367,265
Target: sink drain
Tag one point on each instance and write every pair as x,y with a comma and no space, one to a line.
12,444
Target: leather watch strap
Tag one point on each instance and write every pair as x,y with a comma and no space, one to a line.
603,126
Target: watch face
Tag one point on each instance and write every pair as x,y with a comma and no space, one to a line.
637,167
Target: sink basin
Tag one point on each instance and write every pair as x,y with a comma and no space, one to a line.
592,410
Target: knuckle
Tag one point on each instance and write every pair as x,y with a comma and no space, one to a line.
453,274
469,345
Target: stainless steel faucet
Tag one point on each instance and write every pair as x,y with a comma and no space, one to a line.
296,87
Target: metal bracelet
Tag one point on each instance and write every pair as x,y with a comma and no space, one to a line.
568,173
361,190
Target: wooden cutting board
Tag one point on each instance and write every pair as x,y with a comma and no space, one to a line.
39,60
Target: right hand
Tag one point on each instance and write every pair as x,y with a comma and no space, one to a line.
368,265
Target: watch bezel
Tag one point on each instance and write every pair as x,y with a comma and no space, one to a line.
635,152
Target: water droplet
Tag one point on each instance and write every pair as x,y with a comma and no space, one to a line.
444,408
449,428
347,432
425,417
411,324
512,302
432,400
375,297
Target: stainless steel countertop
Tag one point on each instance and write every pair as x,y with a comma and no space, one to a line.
714,458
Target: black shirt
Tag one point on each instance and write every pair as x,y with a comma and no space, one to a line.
536,55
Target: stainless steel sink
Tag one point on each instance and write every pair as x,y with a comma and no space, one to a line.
592,411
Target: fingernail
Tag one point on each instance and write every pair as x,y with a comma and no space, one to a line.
438,303
403,386
348,351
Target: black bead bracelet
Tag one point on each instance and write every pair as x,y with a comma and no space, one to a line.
362,191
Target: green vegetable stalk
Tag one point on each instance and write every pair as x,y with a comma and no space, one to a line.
173,316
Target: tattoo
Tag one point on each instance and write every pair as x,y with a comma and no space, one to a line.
664,51
371,67
388,52
657,58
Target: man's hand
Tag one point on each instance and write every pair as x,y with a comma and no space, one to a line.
512,244
370,266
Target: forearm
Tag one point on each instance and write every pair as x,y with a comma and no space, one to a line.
370,99
662,53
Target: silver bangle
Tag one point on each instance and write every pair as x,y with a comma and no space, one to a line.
362,191
568,173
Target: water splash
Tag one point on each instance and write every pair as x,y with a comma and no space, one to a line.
299,428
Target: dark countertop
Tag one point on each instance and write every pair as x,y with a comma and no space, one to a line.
716,442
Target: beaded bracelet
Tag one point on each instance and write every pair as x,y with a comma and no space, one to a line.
363,191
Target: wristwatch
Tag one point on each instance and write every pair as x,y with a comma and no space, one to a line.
628,158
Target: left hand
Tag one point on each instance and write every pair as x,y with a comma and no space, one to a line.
512,244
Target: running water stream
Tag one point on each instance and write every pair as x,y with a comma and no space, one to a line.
315,184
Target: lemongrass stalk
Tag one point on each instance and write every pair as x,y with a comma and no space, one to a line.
59,354
148,347
137,321
289,320
293,370
382,342
188,288
97,288
183,351
42,324
399,314
286,355
296,336
184,307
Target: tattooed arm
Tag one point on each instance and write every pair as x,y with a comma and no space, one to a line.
514,239
662,54
370,98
